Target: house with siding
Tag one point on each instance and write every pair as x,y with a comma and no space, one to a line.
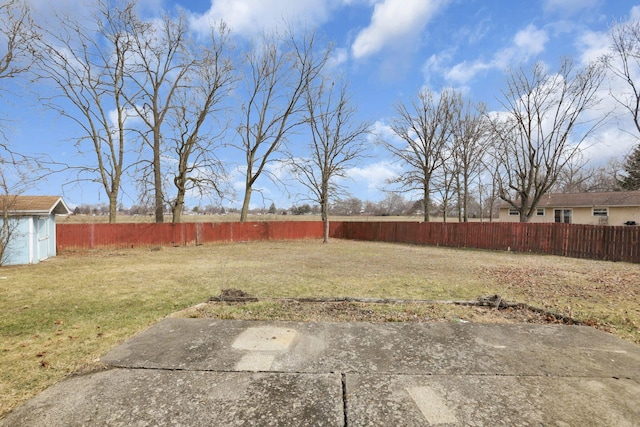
29,227
601,208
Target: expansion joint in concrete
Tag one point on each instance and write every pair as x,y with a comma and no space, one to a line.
343,377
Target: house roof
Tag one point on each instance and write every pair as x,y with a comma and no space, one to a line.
596,199
33,205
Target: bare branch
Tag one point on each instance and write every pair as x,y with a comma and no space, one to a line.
337,142
16,38
541,130
210,82
163,57
277,72
624,62
426,129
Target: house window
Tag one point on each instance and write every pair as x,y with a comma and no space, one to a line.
540,211
514,212
600,212
562,215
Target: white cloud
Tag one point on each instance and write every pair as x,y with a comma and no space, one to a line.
130,117
609,142
338,58
527,43
381,131
569,7
530,41
619,133
375,175
393,21
593,46
62,5
250,17
435,65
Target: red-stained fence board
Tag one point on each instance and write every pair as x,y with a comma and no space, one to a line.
580,241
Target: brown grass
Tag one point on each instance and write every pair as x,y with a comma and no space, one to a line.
59,316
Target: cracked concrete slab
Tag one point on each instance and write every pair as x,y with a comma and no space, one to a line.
471,400
215,372
402,348
144,397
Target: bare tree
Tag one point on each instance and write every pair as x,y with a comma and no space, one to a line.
468,148
16,37
578,176
16,42
336,143
350,206
163,57
446,182
8,226
425,128
393,204
624,62
278,69
15,177
540,131
86,63
489,185
209,83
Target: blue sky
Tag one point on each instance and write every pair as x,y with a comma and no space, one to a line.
389,50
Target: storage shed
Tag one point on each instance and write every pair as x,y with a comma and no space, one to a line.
29,227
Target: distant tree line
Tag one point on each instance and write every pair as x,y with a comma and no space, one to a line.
392,205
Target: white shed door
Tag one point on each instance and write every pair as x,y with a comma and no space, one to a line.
43,238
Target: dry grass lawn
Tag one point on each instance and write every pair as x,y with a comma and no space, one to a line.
58,317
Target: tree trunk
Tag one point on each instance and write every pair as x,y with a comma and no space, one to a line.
465,198
427,200
157,178
245,204
177,208
461,207
113,207
491,211
177,214
326,230
325,220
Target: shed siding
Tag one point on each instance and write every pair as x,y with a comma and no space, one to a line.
52,235
18,251
33,240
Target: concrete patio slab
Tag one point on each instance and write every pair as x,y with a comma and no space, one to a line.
213,372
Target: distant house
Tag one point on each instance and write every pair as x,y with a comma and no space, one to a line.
30,227
604,208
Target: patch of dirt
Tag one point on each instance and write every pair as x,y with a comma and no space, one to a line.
353,311
233,294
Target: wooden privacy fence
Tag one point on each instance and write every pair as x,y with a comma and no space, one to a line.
91,236
573,240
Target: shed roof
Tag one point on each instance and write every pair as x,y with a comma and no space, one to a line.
596,199
33,205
